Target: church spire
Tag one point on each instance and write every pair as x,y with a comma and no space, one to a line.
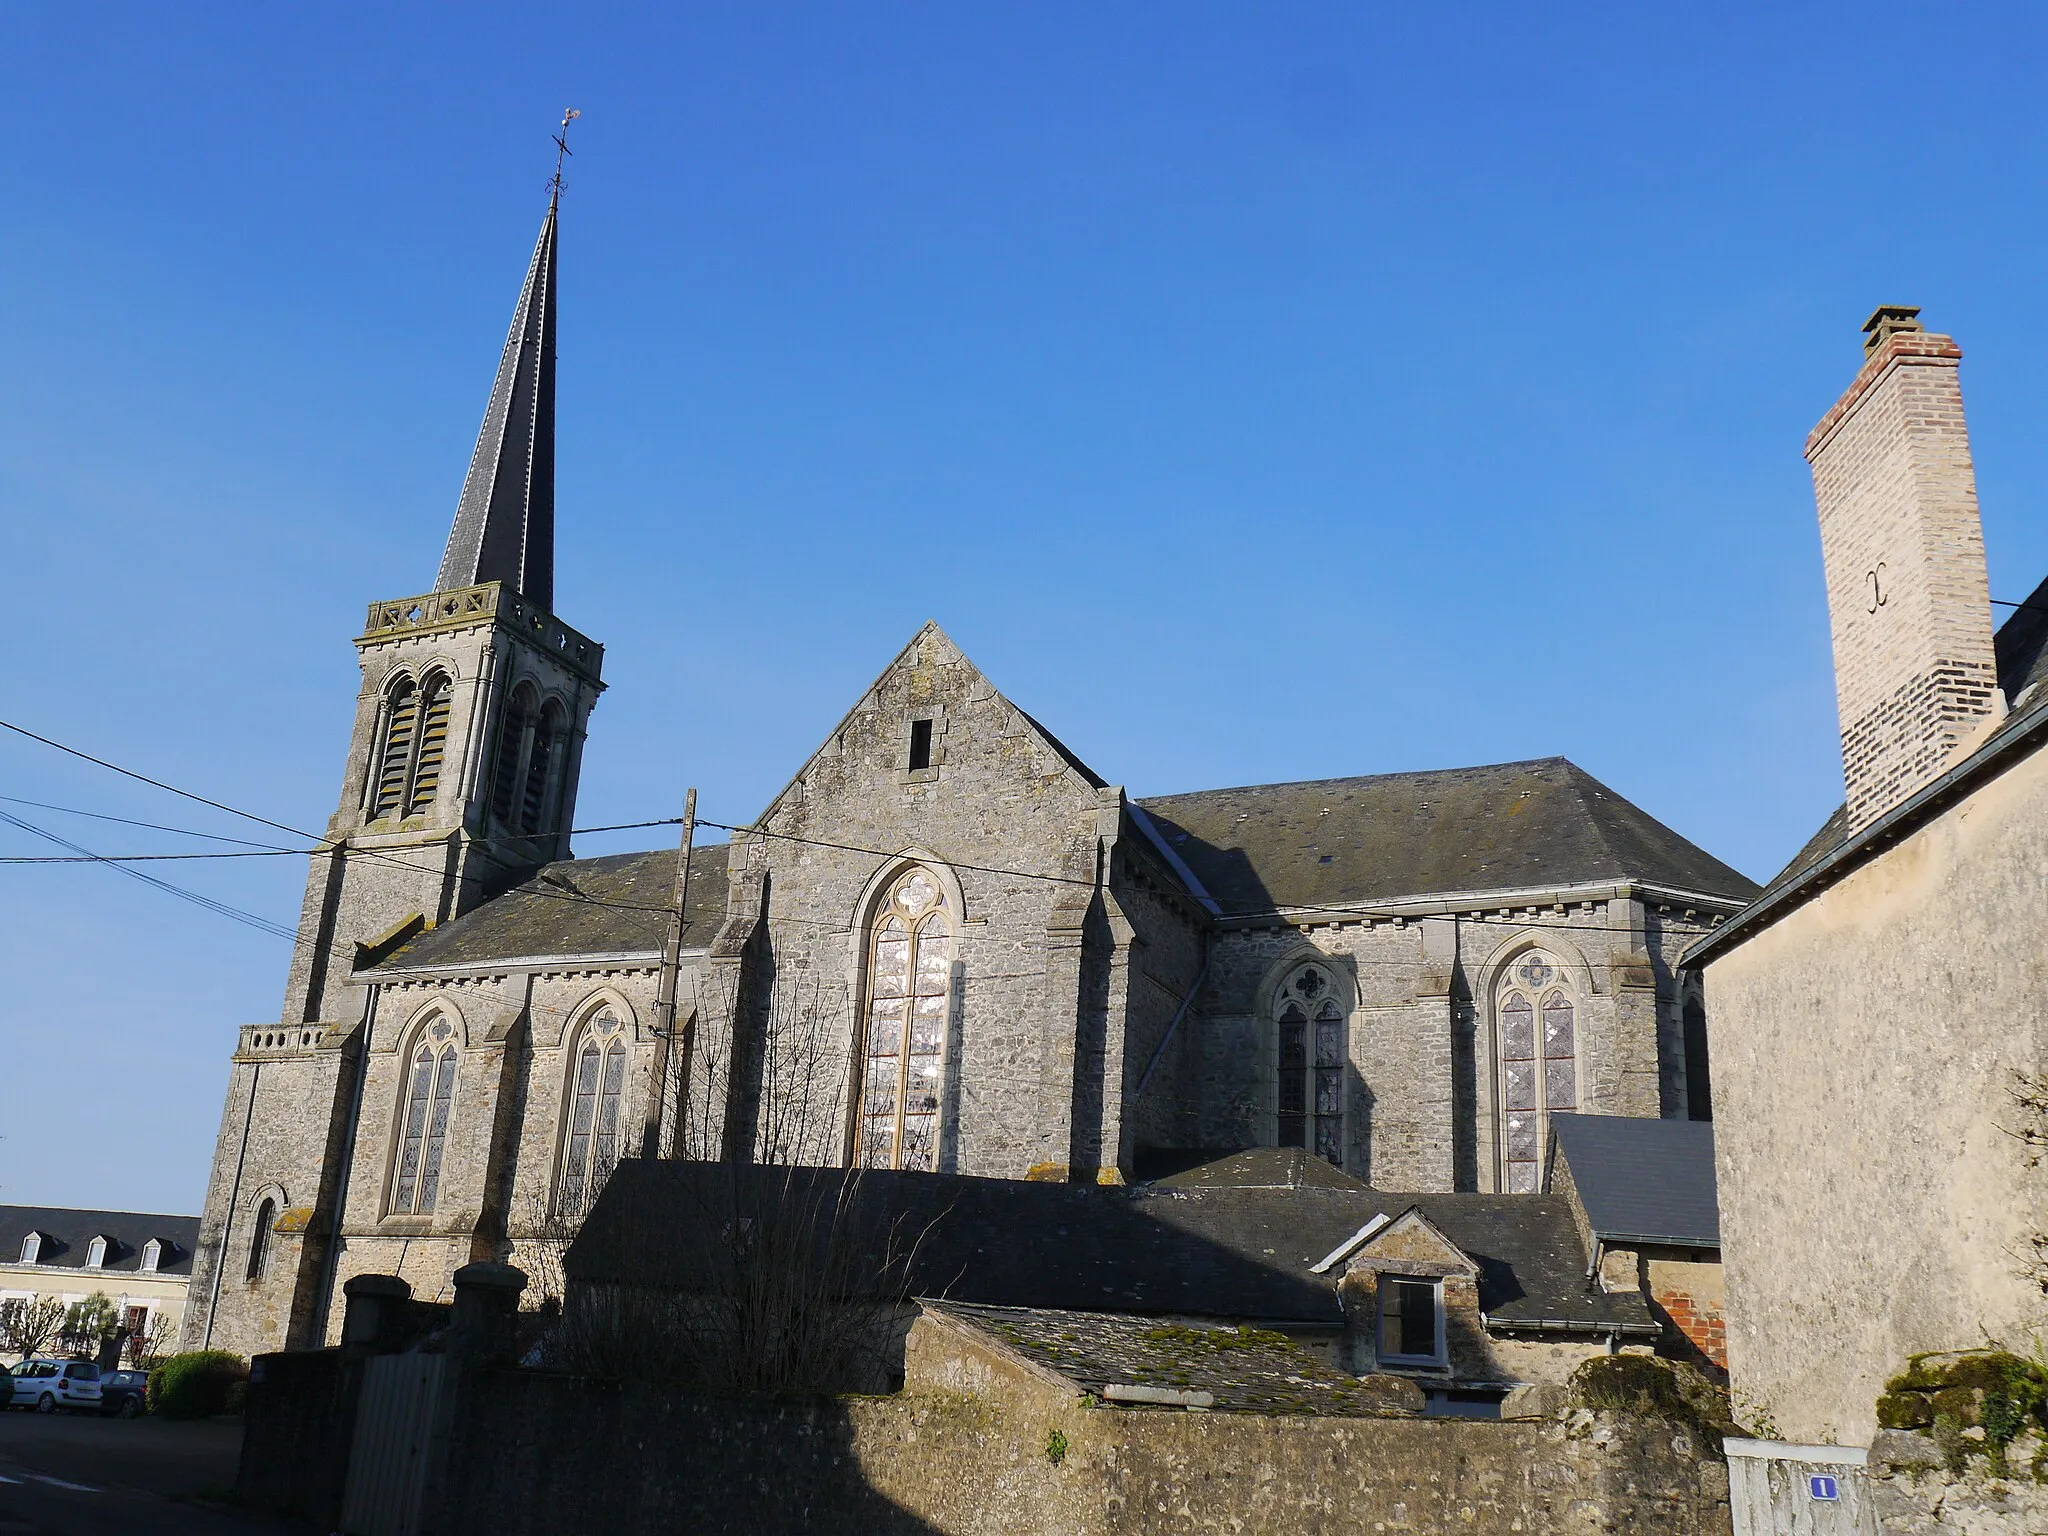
505,523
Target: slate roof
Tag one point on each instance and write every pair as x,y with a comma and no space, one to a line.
618,904
1642,1180
66,1234
1243,1369
1508,826
1221,1250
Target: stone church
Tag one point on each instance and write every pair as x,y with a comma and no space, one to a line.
946,943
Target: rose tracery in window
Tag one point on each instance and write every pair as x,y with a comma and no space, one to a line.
1309,1031
909,977
1538,1067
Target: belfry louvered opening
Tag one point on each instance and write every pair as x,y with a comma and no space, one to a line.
394,762
533,741
407,768
514,733
433,748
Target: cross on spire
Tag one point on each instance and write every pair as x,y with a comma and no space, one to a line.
569,115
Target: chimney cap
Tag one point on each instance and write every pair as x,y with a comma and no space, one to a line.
1886,321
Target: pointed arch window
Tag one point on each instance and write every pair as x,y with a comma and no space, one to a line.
533,741
536,796
259,1240
96,1253
394,759
1309,1034
1539,1070
910,972
433,746
423,1129
407,769
597,1081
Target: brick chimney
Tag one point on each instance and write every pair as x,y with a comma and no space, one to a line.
1904,552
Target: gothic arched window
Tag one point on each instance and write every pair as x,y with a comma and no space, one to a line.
433,745
1539,1071
910,973
423,1128
394,757
1309,1036
590,1149
548,740
259,1240
512,743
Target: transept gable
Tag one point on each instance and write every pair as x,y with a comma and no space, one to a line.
930,719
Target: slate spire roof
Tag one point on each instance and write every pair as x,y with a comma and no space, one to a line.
505,523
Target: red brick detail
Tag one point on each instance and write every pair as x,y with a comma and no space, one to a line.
1904,347
1700,1324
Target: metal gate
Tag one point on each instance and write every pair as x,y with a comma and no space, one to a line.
1798,1490
400,1421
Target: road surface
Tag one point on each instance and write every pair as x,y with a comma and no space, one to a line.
62,1475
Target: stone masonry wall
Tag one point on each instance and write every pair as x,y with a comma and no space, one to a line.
1873,1199
540,1454
1037,1004
1420,1106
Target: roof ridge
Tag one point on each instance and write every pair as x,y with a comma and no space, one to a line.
1361,778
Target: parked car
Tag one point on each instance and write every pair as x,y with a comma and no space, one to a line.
47,1385
124,1392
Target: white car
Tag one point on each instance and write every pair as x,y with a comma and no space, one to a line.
47,1385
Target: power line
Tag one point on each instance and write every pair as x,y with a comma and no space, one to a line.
248,919
151,826
565,892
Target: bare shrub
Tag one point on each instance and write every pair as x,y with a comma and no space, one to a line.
800,1283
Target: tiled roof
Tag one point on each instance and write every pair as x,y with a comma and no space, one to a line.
1229,1251
1249,1370
618,904
1508,826
1645,1180
68,1233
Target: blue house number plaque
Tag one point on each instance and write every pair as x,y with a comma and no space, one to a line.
1823,1488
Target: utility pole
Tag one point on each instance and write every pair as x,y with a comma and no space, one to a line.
669,1057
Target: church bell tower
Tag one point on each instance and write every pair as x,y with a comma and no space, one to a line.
462,768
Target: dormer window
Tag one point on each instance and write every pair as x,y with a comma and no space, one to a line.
1411,1321
152,1255
32,1248
96,1253
920,745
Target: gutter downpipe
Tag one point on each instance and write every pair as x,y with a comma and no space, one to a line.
348,1159
227,1224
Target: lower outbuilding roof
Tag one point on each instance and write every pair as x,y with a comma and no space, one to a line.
1220,1250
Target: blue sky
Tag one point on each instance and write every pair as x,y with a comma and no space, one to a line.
1255,392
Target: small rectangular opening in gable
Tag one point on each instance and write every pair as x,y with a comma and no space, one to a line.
920,745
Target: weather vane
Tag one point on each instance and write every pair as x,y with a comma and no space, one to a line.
561,149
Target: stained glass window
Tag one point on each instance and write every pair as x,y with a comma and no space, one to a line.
423,1129
1309,1037
1538,1068
910,973
591,1148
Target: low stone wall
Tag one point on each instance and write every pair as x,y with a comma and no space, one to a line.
1918,1504
545,1455
297,1423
